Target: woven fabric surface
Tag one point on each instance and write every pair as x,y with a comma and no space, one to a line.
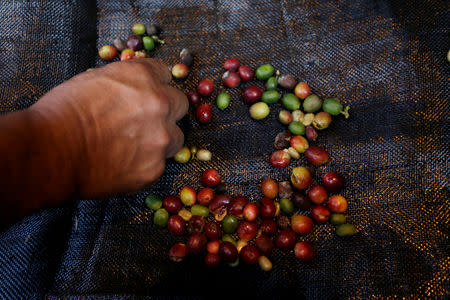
386,59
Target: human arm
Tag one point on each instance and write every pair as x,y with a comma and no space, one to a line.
100,133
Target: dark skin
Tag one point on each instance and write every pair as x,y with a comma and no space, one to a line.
101,133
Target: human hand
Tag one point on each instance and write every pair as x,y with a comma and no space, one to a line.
116,125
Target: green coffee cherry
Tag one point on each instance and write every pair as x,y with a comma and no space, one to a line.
230,223
259,110
223,100
199,210
271,84
338,219
346,230
153,201
290,101
161,217
228,238
264,72
334,107
183,155
297,128
287,206
138,29
270,97
312,104
149,43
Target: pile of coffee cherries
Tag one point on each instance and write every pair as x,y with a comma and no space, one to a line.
230,229
206,87
138,45
290,143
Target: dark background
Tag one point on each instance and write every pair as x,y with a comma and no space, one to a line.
387,59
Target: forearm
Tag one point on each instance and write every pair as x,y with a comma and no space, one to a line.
36,170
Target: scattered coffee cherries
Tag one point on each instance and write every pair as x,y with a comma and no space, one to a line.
210,216
212,219
137,45
185,154
299,122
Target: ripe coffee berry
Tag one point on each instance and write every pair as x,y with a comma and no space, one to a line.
285,239
210,178
249,254
204,113
205,87
304,251
246,73
176,225
232,64
193,97
252,94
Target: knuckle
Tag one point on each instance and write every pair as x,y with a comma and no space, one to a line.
161,104
159,69
163,138
154,64
128,70
139,68
163,108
